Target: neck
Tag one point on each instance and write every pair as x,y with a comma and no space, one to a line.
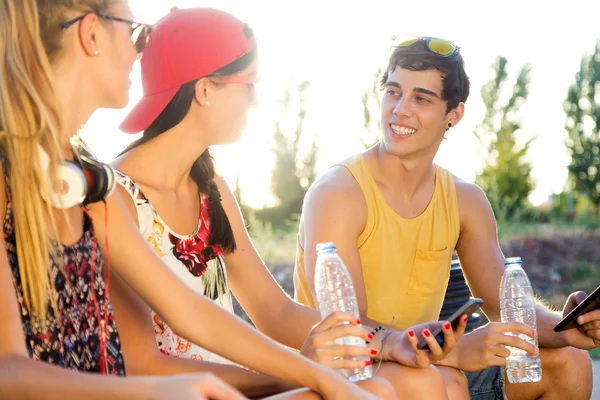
74,101
405,174
166,159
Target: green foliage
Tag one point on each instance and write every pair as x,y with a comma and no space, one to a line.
506,177
582,107
574,206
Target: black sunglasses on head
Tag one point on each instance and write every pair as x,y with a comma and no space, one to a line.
139,32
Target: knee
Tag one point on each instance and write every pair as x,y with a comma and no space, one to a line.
567,361
457,386
427,380
568,367
413,383
380,388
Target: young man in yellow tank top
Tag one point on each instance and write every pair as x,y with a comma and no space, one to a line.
396,217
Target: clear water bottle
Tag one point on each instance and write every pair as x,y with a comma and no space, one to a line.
335,292
517,305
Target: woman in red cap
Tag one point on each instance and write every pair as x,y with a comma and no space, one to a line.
198,75
60,60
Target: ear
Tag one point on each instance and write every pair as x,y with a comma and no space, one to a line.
455,115
89,31
203,90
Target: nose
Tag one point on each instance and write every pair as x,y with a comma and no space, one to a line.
402,107
253,96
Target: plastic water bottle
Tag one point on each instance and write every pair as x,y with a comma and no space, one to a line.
517,305
335,292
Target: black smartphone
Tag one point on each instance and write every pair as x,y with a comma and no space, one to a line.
468,308
590,303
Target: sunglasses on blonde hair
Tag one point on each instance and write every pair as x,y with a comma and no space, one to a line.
139,32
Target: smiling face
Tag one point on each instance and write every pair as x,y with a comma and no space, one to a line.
413,113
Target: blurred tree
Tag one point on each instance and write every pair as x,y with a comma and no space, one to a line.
582,107
371,102
237,192
506,176
294,170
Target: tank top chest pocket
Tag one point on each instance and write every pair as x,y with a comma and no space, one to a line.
429,273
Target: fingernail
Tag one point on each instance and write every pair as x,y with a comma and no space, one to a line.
426,333
358,322
447,325
465,318
580,320
373,351
411,333
367,363
370,336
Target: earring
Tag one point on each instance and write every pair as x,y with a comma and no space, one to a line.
96,52
206,102
449,124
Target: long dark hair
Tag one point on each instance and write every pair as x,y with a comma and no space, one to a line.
203,170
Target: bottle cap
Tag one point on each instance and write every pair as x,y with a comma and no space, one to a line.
513,260
325,246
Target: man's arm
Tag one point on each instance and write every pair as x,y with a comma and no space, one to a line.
335,211
483,262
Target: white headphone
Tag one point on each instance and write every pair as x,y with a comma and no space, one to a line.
82,181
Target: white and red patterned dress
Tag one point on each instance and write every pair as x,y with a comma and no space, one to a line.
200,266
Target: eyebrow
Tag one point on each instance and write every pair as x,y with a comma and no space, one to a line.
426,91
416,90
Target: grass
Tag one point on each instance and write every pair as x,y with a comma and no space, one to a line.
511,230
274,246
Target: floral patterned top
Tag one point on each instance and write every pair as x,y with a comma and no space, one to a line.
199,265
71,339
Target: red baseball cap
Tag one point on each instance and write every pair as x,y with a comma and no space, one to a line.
184,45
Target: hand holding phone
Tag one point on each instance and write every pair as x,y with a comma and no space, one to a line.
590,303
472,305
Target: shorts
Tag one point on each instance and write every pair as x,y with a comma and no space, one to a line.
487,384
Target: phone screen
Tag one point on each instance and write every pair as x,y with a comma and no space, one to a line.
468,308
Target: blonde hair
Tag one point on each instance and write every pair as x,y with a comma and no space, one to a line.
30,39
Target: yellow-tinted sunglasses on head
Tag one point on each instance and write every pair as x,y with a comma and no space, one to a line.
441,47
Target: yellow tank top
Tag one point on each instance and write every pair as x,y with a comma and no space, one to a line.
405,262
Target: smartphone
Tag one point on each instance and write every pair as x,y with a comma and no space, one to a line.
468,308
590,303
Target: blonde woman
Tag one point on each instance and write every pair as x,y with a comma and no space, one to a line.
59,62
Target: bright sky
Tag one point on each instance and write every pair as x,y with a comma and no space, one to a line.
338,47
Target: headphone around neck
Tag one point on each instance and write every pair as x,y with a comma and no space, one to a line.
84,180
